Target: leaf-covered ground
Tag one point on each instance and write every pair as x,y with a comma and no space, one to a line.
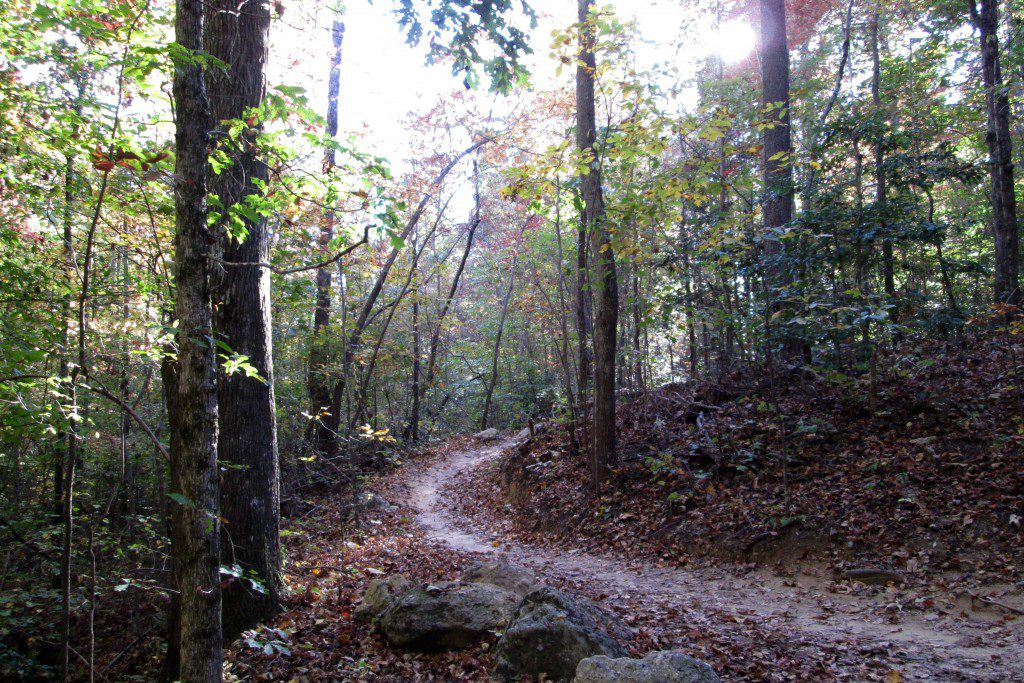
928,481
705,542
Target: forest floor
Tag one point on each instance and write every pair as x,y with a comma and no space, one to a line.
749,622
729,531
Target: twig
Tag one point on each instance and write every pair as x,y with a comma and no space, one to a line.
297,269
995,603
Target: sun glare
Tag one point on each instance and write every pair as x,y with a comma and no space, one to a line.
734,42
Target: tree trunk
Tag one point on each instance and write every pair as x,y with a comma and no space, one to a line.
777,162
196,521
584,318
414,418
1000,152
881,199
250,490
606,299
317,378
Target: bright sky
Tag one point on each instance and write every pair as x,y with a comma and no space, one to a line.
383,79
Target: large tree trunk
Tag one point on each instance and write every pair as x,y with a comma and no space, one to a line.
777,162
317,374
195,516
250,495
1000,152
605,282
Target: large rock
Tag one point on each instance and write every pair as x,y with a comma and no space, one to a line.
551,632
488,434
446,616
657,667
379,596
517,580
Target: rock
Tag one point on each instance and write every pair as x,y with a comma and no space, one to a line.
380,594
487,435
523,435
551,632
366,501
657,667
446,616
517,580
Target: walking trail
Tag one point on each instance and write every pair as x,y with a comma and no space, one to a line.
932,636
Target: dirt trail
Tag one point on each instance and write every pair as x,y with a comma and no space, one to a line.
934,643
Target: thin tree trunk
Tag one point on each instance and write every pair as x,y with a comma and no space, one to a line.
435,337
250,494
354,338
414,418
584,317
196,520
317,374
606,300
497,339
888,275
1000,151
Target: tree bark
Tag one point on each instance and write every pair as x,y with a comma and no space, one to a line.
1000,151
196,525
250,489
606,295
777,141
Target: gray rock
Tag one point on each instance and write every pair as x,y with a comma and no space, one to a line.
551,632
523,435
488,434
446,616
517,580
366,502
657,667
379,596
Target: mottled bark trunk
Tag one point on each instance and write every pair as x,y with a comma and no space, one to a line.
250,489
606,292
1000,150
195,515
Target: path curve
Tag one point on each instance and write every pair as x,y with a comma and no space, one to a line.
931,645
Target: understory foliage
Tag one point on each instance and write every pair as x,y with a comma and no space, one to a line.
451,291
